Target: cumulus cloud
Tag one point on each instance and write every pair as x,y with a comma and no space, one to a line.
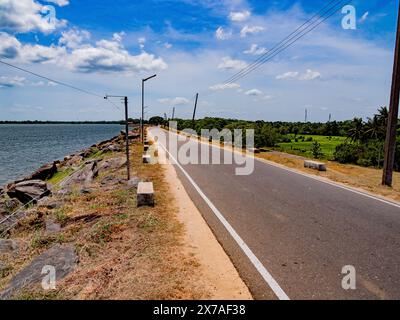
246,30
27,15
10,82
9,46
219,87
254,93
231,64
73,38
178,101
221,34
255,50
110,56
295,75
239,16
73,53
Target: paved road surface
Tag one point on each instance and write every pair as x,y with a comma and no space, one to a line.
303,231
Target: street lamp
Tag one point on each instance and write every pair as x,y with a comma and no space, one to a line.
128,166
141,124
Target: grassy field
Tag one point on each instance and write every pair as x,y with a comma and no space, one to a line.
303,148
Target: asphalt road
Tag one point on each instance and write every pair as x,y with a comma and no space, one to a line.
302,230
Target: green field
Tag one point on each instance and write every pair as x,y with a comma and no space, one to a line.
303,148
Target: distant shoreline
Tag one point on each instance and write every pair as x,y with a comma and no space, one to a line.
62,122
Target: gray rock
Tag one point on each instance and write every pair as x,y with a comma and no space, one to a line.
84,176
8,246
43,173
111,164
28,191
7,206
49,203
134,182
62,258
114,148
110,181
52,226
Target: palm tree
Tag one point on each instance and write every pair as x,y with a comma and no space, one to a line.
374,128
356,133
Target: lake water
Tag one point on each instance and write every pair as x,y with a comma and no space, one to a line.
24,148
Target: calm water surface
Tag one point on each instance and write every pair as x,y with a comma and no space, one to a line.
24,148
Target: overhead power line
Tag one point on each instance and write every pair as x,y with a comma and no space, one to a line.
59,82
52,80
288,41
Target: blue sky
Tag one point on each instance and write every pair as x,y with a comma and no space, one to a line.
193,46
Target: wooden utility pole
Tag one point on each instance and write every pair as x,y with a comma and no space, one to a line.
128,164
195,108
390,145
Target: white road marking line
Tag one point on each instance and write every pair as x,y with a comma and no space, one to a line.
247,251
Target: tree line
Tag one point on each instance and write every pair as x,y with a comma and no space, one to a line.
364,144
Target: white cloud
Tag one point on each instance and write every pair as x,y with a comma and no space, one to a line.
178,101
246,30
239,16
255,50
9,46
168,45
73,38
141,41
27,15
41,54
60,3
219,87
231,64
254,93
310,75
10,82
288,75
294,75
72,53
119,36
221,34
110,56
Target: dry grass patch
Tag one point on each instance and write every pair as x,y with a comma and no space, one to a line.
368,179
124,252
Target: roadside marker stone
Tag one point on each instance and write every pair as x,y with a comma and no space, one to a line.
315,165
146,158
145,194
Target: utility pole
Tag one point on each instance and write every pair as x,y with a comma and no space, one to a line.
142,120
173,113
330,117
306,116
390,144
128,166
195,108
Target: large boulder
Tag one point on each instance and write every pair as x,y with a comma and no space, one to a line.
84,176
28,191
61,257
43,173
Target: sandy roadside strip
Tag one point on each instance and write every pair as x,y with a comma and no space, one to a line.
220,277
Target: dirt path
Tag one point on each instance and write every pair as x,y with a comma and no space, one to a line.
219,276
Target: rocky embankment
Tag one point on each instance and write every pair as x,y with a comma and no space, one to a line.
35,189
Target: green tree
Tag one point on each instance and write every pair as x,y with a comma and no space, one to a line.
317,150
